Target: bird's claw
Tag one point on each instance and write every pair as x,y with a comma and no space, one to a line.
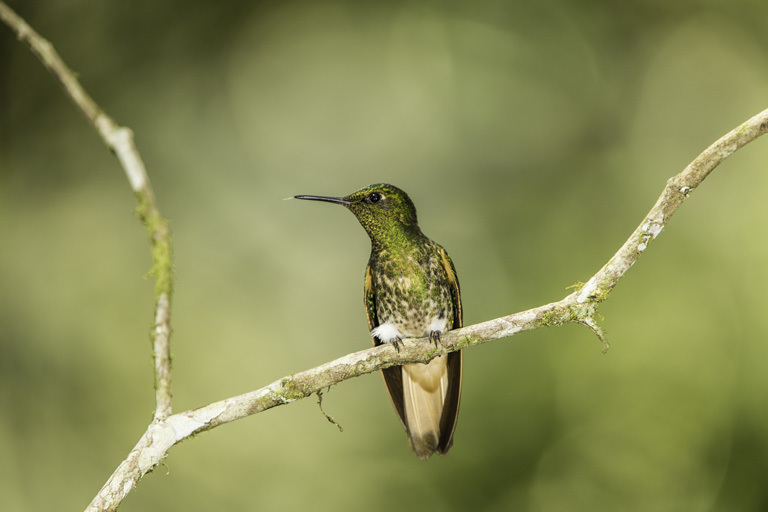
396,342
434,337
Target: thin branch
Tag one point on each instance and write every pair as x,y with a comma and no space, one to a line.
120,141
676,191
166,430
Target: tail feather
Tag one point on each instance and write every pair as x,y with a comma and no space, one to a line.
424,390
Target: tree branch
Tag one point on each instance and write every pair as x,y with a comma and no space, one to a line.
678,189
166,430
119,140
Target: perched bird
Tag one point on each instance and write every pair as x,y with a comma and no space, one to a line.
411,290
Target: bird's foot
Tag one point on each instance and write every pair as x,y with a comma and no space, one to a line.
397,342
434,337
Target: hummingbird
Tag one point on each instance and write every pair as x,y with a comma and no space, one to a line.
411,290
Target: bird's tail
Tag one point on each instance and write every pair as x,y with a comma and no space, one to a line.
424,390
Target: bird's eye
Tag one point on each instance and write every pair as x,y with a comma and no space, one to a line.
375,197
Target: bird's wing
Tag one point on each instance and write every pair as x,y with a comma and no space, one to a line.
453,394
393,377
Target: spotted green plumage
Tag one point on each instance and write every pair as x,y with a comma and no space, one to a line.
411,290
412,286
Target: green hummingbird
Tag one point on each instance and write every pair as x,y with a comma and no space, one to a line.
411,290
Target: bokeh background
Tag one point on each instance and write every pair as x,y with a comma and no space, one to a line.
533,137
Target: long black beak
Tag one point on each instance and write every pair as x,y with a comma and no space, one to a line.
338,200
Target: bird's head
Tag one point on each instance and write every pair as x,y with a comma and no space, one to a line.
385,212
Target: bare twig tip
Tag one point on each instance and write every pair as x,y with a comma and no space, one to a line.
329,418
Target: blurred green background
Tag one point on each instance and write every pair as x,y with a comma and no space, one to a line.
533,137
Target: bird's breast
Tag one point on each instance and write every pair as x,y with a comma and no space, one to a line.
412,302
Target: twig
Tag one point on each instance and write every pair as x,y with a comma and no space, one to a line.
166,430
120,141
676,191
330,418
